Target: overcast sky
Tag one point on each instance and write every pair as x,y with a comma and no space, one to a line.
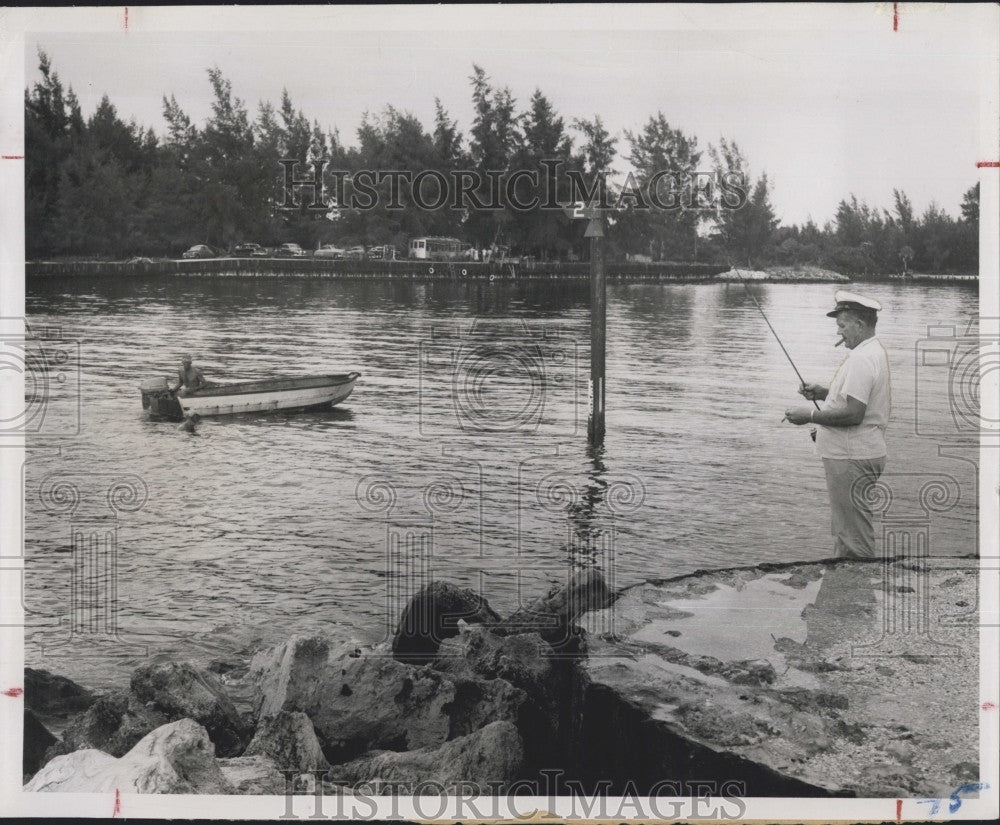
828,102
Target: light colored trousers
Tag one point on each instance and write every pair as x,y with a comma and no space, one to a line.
851,522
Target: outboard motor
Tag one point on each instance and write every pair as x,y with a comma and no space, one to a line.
158,398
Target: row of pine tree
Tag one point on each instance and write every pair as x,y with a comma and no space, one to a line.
103,187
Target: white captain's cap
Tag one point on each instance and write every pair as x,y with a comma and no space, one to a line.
851,300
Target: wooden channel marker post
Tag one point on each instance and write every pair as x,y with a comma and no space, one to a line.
598,316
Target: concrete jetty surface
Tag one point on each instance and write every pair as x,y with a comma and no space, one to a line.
838,678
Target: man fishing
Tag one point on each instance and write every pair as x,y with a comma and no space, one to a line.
852,422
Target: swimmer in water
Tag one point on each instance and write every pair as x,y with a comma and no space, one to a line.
190,423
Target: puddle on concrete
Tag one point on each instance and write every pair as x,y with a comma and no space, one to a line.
735,624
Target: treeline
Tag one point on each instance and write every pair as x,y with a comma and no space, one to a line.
862,240
104,187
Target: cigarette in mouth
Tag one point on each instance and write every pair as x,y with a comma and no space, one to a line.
839,342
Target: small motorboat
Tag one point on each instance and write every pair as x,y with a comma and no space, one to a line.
313,392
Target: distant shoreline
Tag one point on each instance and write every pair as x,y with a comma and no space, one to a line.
665,272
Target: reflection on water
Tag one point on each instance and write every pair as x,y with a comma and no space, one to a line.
844,607
585,549
255,528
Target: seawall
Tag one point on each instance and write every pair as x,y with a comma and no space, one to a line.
364,270
663,272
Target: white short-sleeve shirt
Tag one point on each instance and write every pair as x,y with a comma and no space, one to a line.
864,375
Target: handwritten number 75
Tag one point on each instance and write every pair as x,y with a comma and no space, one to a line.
955,800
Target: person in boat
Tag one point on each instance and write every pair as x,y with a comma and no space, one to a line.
190,378
852,421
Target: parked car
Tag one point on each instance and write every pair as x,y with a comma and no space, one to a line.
328,250
248,250
200,251
355,253
382,253
290,250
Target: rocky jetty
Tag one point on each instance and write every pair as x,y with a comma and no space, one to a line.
785,678
494,754
37,741
50,702
785,274
433,615
445,702
175,758
52,698
157,694
554,614
288,739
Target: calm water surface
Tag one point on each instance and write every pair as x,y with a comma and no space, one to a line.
467,427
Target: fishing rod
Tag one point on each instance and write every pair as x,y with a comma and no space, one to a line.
760,309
